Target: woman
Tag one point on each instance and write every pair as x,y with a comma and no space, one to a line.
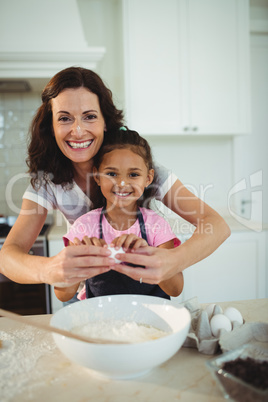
66,133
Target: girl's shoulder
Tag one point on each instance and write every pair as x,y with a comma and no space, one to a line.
94,214
149,214
152,217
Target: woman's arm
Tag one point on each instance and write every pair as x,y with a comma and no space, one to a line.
71,265
161,264
174,285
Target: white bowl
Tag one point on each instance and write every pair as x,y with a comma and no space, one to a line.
122,361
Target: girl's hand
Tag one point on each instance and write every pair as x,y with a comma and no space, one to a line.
129,241
89,241
75,264
160,264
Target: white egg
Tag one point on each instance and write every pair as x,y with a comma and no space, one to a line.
114,252
219,322
233,314
209,309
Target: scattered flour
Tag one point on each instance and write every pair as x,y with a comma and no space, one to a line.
118,330
19,354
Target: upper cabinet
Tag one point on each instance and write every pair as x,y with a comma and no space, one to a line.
187,66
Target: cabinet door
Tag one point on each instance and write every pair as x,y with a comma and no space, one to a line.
186,66
153,65
235,271
218,34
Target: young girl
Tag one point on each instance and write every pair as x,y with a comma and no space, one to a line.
123,170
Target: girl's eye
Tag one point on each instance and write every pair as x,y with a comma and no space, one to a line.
133,175
111,174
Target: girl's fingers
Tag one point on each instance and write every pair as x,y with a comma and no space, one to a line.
119,241
129,241
94,241
77,242
139,243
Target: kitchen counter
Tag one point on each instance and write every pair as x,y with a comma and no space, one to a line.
37,371
179,226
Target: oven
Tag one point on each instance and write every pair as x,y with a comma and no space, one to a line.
20,298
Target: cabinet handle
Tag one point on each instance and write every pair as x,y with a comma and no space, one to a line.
195,128
185,128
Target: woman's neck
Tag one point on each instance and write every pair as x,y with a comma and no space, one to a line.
121,219
83,175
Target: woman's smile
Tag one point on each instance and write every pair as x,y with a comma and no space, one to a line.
79,145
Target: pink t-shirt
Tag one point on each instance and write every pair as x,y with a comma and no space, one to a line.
158,230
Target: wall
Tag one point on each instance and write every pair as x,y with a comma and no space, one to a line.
16,112
210,166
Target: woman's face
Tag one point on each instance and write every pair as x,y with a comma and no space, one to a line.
78,124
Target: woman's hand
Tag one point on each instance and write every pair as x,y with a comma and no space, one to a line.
160,264
75,264
129,242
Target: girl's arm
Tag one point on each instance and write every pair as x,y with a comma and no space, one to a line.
161,264
71,265
173,286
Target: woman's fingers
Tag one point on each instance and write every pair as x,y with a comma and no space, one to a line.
158,264
80,274
74,264
145,258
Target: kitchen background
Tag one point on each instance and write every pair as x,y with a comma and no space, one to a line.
192,77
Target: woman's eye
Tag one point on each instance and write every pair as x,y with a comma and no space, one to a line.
64,119
90,116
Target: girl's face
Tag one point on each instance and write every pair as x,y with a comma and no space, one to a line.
78,124
123,176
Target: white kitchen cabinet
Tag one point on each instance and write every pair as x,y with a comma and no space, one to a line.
187,66
235,271
54,247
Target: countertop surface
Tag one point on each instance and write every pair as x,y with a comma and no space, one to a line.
33,369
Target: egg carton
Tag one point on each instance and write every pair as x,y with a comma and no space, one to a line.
202,335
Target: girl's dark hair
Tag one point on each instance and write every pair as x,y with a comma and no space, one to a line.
126,139
44,154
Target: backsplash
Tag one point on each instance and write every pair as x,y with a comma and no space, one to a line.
16,113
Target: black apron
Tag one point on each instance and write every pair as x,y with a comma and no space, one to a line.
113,282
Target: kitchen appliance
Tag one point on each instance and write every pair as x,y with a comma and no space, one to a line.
23,298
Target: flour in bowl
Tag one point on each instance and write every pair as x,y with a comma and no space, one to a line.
118,330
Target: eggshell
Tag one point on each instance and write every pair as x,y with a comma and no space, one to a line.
219,322
114,252
209,309
233,314
217,310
